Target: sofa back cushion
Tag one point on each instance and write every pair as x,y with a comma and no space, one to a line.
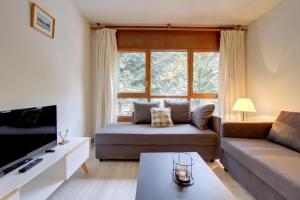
180,111
202,114
286,130
142,113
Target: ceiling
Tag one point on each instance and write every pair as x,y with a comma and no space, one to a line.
176,12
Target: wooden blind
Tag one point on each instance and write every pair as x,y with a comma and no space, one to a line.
164,40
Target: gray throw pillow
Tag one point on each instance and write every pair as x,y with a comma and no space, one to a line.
142,113
202,114
286,130
180,111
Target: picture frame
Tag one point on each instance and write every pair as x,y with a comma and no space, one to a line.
42,21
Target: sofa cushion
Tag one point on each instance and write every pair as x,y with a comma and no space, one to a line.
202,114
144,134
286,130
180,111
142,114
161,117
276,165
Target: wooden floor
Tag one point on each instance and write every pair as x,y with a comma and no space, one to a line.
116,180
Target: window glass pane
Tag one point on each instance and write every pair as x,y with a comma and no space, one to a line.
205,72
169,73
161,101
197,102
125,106
131,72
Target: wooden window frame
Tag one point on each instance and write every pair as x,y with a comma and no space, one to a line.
147,94
134,94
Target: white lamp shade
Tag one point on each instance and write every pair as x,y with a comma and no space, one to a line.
244,105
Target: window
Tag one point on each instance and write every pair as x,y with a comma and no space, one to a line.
131,72
125,105
169,75
205,79
153,75
205,73
161,100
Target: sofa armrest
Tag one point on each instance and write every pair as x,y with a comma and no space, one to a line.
214,123
251,130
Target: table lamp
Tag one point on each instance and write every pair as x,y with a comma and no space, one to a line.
244,105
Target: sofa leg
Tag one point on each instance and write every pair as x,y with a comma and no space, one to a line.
225,169
212,160
101,160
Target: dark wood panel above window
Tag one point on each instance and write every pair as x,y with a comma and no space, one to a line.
204,40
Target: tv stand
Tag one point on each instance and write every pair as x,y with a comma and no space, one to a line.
40,182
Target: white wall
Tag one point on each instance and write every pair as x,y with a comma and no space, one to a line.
273,61
37,71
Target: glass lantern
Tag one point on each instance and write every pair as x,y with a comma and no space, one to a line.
183,169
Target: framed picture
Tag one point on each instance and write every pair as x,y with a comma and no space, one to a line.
42,21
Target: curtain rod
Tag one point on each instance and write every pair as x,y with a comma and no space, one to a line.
168,27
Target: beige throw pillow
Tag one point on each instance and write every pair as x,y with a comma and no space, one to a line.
161,117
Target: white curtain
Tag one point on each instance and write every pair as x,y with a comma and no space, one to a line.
231,72
104,84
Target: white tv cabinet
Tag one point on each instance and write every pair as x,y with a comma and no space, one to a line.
42,180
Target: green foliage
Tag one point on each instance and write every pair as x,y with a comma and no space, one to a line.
169,72
131,72
206,68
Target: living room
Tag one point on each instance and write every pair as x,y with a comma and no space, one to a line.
146,100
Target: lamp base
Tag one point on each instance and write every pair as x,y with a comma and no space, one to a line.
243,116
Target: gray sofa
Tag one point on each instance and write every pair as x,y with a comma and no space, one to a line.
128,140
267,170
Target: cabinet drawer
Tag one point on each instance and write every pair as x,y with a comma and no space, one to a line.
76,158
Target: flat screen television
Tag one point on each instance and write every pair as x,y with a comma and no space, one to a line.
24,134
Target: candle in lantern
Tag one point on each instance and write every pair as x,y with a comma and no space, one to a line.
182,175
179,168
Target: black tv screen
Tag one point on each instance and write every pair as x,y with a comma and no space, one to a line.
25,133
